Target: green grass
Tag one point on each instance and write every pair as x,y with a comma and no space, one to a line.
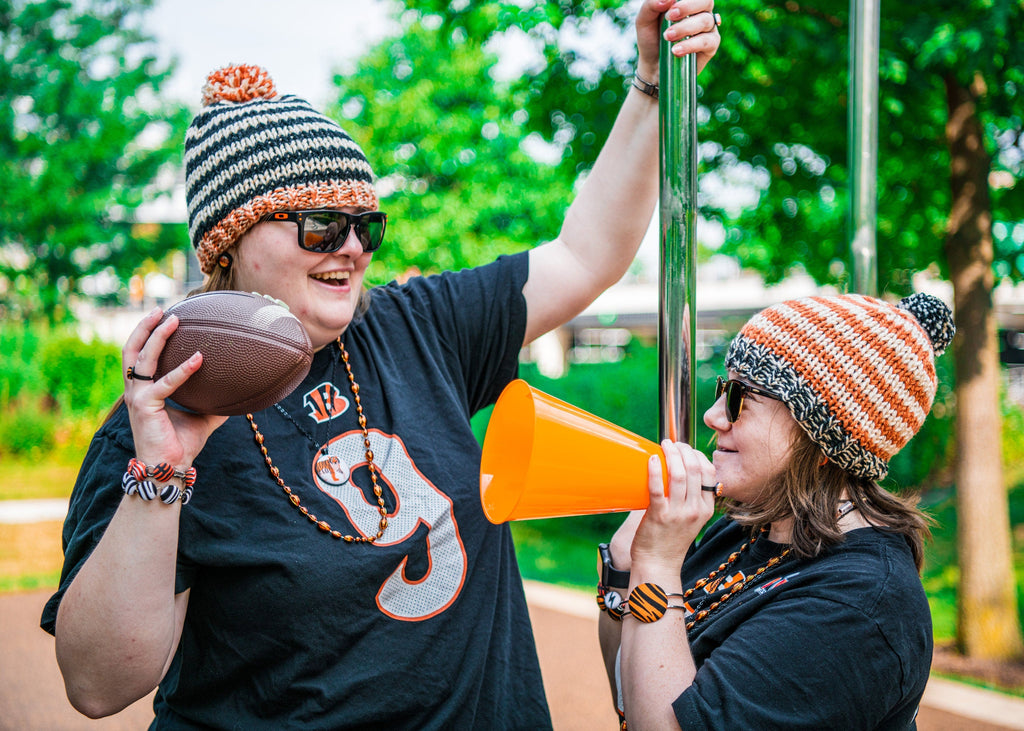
29,582
33,479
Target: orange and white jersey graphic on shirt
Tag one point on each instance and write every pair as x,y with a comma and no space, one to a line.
417,501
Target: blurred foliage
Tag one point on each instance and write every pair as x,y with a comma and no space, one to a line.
941,575
80,377
19,347
447,144
54,391
774,115
27,431
83,140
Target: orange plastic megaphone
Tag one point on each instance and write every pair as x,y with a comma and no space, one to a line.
545,458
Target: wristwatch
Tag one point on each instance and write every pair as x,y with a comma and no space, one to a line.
611,576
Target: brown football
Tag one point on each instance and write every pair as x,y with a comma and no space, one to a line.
255,352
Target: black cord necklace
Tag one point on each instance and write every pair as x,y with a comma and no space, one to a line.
319,447
328,405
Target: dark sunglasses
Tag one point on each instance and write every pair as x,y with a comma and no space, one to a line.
324,232
734,392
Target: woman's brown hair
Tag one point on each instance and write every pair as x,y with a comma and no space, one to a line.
810,489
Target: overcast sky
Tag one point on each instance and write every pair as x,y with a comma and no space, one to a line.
299,42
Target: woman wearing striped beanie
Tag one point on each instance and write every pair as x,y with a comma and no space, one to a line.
802,607
333,567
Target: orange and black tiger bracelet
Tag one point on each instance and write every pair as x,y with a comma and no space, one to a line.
647,603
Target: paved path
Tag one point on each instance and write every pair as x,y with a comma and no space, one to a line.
565,623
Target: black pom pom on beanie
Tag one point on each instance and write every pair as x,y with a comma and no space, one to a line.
934,316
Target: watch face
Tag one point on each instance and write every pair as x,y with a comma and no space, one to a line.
612,600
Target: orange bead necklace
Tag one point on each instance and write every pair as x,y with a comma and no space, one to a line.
275,473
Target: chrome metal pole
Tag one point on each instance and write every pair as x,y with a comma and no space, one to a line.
677,312
865,18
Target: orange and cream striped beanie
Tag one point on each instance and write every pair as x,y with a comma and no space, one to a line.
250,152
857,373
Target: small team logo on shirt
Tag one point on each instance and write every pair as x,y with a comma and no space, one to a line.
765,588
325,402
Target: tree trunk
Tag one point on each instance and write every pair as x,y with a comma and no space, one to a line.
989,626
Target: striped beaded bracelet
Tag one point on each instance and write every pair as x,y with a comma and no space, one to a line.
141,480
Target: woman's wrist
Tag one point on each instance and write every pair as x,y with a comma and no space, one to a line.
644,87
160,480
620,555
648,69
664,573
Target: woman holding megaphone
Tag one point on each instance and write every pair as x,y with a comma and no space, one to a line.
802,607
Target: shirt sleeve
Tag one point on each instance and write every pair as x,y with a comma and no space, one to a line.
94,500
479,318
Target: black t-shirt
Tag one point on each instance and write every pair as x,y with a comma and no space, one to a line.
288,627
843,640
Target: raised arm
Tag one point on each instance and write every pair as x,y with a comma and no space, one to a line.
606,222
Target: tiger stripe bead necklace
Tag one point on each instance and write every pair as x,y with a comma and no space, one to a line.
735,588
378,492
648,602
652,601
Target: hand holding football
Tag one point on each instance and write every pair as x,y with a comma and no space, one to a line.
255,352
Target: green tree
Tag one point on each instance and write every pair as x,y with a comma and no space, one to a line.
952,77
447,143
83,139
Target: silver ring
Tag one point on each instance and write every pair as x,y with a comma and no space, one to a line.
718,19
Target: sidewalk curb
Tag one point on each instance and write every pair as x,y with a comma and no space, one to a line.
975,703
33,511
942,694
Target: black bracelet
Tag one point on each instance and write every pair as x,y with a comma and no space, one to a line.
645,87
610,576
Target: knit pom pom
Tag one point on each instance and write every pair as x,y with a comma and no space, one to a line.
935,317
238,84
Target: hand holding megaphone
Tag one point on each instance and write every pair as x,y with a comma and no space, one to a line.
545,458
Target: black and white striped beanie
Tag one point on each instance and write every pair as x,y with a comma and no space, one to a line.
250,152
